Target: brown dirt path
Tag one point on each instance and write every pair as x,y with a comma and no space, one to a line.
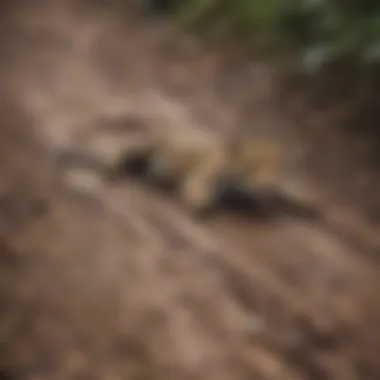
115,282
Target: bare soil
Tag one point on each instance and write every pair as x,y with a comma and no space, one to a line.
114,281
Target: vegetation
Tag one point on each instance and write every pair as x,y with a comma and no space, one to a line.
335,42
318,31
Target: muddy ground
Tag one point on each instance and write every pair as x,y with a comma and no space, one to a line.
102,281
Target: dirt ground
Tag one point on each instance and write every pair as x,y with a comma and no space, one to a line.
112,282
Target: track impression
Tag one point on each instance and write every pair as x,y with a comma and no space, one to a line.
229,298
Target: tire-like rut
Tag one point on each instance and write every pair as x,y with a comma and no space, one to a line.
117,282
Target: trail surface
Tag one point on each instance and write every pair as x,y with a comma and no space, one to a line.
117,282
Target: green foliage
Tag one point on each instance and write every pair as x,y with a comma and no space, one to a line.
322,31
